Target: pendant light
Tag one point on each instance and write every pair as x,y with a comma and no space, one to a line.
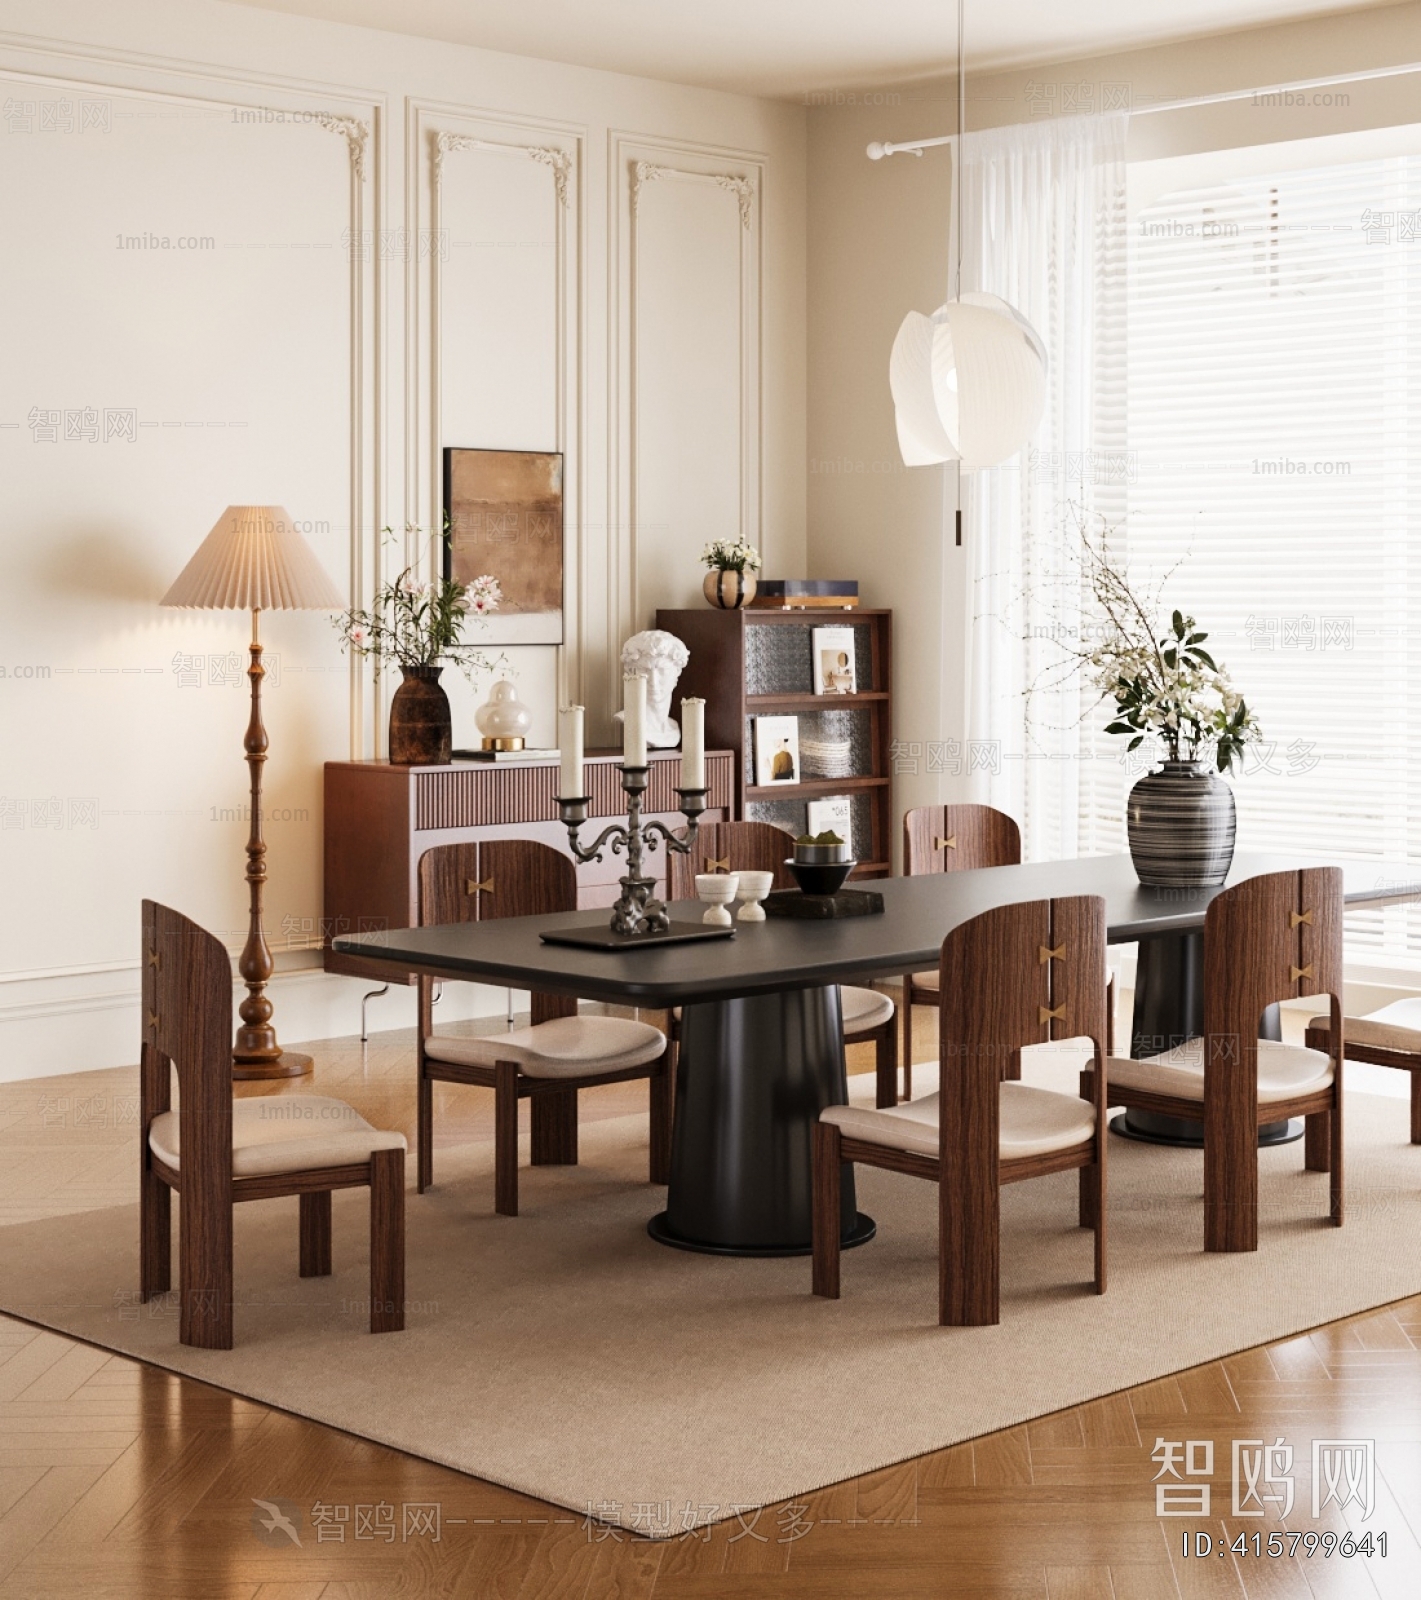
969,381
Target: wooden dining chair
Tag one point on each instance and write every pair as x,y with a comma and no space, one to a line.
1390,1037
1012,977
1274,937
948,839
214,1151
559,1053
868,1015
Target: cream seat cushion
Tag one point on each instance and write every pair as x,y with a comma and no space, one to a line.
1284,1070
278,1133
1394,1027
566,1047
931,979
862,1008
1032,1122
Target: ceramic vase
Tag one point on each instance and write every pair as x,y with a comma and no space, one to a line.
1181,825
729,590
421,730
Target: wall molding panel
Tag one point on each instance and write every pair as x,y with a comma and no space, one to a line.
640,167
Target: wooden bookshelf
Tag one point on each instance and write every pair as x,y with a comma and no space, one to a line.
742,670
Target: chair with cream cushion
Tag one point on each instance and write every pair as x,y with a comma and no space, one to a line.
559,1053
868,1016
215,1151
1274,937
1390,1037
1013,977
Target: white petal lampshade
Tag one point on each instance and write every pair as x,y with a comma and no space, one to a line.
969,382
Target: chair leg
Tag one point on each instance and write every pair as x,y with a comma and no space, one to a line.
1230,1172
1335,1183
1110,1015
1416,1108
825,1186
969,1245
662,1103
155,1236
205,1271
387,1240
1093,1180
554,1118
424,1133
1317,1141
1089,1186
886,1059
907,1038
505,1138
316,1234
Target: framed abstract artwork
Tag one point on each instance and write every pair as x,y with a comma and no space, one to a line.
505,510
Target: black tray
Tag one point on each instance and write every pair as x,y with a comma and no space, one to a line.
601,936
847,903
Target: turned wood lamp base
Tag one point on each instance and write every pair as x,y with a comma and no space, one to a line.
289,1064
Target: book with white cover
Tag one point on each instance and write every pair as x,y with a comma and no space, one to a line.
835,670
833,814
776,750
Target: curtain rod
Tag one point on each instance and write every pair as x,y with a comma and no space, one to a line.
877,150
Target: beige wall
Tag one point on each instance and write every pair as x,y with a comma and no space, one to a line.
878,245
267,362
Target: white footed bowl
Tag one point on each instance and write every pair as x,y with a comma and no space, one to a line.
717,889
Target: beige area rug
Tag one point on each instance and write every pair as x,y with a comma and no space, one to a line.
564,1354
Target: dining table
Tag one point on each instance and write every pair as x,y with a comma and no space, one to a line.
761,1041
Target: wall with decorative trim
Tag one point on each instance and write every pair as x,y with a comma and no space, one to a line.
260,258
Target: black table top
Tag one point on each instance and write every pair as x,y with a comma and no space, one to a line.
782,953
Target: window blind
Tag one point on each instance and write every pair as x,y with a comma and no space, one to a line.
1274,464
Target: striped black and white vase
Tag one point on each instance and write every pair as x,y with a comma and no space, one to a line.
1181,824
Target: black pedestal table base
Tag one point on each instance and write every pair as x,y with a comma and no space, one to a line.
1169,1010
752,1076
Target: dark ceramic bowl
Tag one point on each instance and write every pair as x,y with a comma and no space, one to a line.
821,877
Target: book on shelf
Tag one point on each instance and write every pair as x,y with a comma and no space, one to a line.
792,594
833,814
526,754
776,750
835,669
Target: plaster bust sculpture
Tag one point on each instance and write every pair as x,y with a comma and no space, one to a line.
658,657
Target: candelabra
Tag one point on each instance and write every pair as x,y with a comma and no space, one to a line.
636,911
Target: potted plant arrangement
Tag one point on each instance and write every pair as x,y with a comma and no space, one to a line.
417,624
1167,687
730,583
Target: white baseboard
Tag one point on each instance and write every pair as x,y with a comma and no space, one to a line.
82,1019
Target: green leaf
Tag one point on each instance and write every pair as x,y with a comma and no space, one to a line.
1206,658
1178,623
1138,740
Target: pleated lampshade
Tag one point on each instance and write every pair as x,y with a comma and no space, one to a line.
968,382
254,560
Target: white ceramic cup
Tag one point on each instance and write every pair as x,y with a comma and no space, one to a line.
754,886
717,889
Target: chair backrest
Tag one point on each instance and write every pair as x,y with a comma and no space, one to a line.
1274,937
955,838
187,1024
485,879
732,847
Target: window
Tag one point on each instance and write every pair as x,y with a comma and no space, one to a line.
1274,441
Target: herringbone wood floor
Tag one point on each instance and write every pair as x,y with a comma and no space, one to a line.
120,1480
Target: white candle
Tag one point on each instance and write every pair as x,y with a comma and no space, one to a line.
693,743
634,722
572,754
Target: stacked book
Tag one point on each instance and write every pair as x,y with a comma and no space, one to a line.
793,594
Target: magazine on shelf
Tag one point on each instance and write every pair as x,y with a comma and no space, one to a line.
833,814
835,670
776,750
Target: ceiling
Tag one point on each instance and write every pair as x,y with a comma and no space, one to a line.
788,47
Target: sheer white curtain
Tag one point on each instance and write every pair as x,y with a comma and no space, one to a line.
1045,227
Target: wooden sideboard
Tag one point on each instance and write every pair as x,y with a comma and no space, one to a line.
380,819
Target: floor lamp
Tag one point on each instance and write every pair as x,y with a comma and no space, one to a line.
255,560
